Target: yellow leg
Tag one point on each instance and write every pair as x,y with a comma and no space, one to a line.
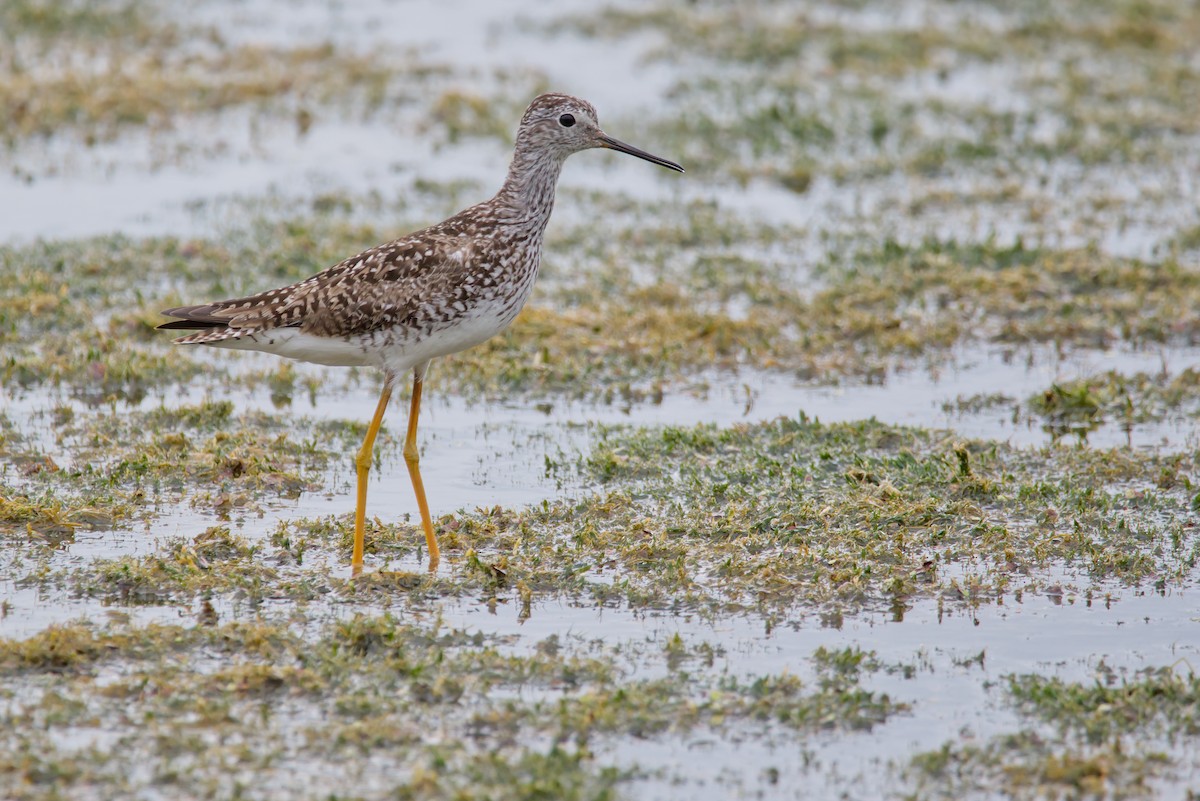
412,458
363,463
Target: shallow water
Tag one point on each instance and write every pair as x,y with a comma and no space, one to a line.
479,453
152,183
959,661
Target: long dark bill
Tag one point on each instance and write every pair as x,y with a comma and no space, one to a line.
617,144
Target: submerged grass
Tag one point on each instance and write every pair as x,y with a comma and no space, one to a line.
792,512
1130,399
1105,739
514,725
94,70
783,518
607,330
1077,407
1157,702
776,521
116,465
773,88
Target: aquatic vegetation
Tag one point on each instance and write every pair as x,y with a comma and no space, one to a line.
875,201
1092,739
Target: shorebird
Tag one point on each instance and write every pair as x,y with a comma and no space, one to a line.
432,293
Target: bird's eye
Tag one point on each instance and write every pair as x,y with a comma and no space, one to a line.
566,120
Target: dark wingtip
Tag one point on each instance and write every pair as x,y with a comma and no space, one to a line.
194,318
189,325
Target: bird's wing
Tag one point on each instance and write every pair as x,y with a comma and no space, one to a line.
379,287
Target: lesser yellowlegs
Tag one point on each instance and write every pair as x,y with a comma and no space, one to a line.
432,293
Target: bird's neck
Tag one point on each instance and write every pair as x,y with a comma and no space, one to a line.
528,191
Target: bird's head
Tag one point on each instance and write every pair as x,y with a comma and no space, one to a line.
563,125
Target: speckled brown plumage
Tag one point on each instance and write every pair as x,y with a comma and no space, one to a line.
473,271
429,294
417,285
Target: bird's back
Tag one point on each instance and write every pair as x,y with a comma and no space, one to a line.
473,271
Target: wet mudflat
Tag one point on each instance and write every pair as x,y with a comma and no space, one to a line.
860,462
